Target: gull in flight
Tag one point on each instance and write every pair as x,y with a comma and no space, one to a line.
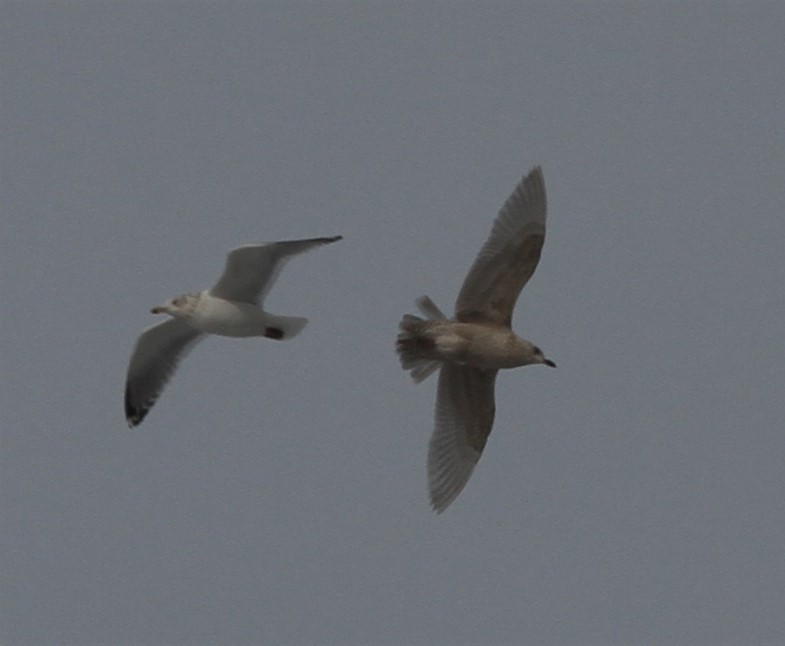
470,349
232,307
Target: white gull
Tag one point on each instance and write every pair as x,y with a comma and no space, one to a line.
232,307
469,350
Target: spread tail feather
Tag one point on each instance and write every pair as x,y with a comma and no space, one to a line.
413,341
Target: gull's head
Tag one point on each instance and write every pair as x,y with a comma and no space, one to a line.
180,306
539,357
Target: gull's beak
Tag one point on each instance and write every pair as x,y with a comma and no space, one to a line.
550,363
158,310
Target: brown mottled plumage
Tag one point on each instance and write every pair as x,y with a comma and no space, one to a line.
470,349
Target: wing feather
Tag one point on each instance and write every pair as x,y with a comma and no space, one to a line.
508,258
465,410
155,358
251,270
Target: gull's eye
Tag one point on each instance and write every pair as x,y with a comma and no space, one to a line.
537,350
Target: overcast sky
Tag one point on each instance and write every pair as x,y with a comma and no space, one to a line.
276,494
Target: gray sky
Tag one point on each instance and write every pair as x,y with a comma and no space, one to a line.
276,493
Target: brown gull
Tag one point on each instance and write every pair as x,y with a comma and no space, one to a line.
232,307
470,349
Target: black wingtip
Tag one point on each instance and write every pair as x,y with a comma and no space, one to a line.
133,415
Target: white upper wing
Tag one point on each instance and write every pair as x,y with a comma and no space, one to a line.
508,258
465,410
251,270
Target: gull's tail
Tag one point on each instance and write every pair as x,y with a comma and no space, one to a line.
414,342
283,328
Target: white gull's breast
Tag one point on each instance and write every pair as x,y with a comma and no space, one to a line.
227,318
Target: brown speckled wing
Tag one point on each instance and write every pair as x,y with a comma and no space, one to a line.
508,258
465,410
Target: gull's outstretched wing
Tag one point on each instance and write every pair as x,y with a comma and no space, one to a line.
508,258
158,351
251,270
464,416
